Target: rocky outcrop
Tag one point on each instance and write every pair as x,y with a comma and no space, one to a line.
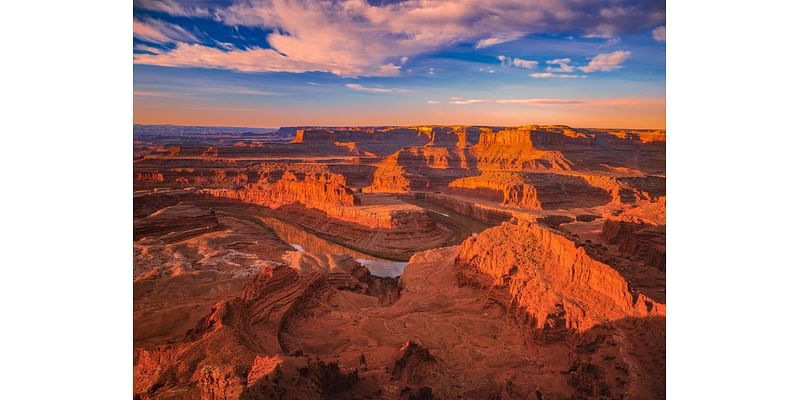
344,273
412,363
328,193
391,178
151,176
175,223
480,212
534,191
423,168
514,150
555,286
514,189
639,240
216,355
297,378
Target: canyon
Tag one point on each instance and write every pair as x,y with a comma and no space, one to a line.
399,262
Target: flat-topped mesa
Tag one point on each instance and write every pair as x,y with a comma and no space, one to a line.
313,136
328,135
316,190
554,285
430,157
653,136
534,191
327,192
420,168
456,136
514,149
510,186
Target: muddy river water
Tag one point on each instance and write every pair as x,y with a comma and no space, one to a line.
302,240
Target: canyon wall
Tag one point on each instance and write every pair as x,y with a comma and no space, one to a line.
554,285
639,240
514,150
515,191
328,193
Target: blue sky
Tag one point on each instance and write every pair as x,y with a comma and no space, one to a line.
278,63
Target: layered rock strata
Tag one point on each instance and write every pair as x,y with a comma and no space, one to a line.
554,284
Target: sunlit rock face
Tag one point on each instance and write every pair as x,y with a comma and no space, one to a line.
556,285
399,262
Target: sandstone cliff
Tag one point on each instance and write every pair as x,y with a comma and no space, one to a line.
555,286
513,149
515,191
639,240
327,192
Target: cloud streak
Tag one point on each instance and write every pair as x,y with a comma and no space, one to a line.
596,102
460,101
495,40
157,31
172,7
607,61
377,89
541,75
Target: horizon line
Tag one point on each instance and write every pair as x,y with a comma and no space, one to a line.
388,125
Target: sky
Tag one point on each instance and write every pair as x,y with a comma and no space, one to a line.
262,63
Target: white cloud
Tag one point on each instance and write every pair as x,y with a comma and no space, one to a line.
375,89
607,61
495,40
562,65
355,38
433,102
460,101
541,75
157,31
146,48
249,60
517,62
660,34
602,31
172,7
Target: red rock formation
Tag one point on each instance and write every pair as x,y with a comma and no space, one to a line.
420,168
211,152
474,210
322,191
390,178
412,363
235,351
328,193
151,176
556,286
515,190
639,240
520,311
394,176
513,149
534,191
